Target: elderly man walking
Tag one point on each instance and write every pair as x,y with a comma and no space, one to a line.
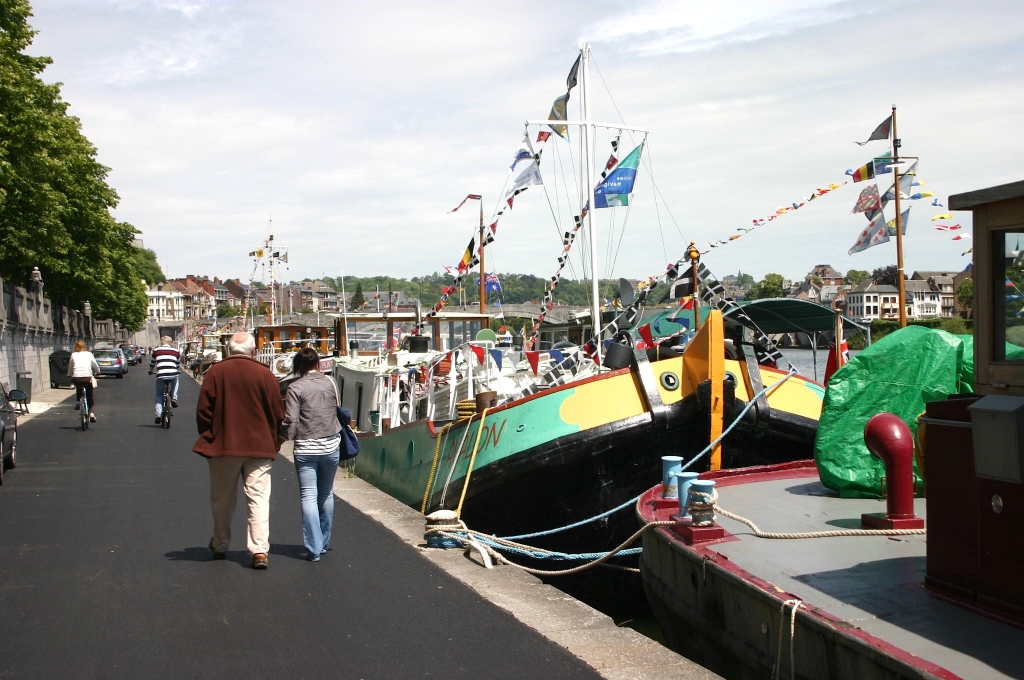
239,413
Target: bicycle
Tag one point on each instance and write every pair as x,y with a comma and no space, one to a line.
165,419
83,407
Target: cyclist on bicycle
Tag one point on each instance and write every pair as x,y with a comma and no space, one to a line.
165,361
82,369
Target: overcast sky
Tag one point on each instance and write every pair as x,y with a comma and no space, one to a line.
358,126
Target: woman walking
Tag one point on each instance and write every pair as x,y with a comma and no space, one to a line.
311,419
83,368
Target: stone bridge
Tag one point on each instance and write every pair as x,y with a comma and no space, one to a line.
558,314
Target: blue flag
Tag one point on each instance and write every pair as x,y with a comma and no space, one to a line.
615,190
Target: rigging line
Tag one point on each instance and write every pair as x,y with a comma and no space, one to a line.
568,196
657,210
581,235
557,227
622,233
633,141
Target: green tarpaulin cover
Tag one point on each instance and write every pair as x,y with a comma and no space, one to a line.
898,374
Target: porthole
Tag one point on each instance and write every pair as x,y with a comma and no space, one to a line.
670,381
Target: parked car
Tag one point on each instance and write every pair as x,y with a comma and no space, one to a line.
8,430
132,354
111,361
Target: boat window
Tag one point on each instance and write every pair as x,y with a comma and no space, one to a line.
341,392
1007,286
359,400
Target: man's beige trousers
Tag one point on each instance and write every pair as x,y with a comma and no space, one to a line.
255,474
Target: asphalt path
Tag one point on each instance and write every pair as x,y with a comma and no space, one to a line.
104,572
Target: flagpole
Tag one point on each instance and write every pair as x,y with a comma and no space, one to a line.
588,129
694,257
900,285
483,268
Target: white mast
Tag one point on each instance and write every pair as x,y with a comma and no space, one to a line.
273,290
588,133
589,129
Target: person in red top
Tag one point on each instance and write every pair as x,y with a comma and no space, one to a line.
239,413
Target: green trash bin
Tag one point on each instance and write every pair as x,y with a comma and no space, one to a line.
24,380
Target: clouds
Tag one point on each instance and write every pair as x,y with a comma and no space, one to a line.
358,124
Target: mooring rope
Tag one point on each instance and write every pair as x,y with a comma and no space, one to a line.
463,534
631,501
433,467
796,604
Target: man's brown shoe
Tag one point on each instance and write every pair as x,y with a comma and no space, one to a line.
260,561
216,555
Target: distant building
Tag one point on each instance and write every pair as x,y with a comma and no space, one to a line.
925,300
943,283
827,275
869,301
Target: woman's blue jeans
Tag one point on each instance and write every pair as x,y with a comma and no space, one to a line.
316,492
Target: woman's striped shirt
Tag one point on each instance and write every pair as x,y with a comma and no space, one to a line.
317,447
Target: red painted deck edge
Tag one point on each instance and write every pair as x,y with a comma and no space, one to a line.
707,554
797,469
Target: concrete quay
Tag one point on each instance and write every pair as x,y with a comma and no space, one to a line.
104,573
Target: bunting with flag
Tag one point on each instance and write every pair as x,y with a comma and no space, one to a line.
470,197
615,189
890,226
880,132
558,109
868,200
876,232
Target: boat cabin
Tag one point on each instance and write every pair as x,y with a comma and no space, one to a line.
368,333
293,337
974,461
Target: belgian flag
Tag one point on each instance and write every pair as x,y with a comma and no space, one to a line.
864,172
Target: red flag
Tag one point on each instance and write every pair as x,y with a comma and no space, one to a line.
645,333
832,365
543,137
688,304
534,359
471,197
479,352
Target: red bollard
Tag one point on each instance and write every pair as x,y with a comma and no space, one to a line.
889,439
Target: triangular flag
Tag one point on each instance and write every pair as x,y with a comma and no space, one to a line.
496,355
881,132
943,216
479,352
534,359
557,355
645,333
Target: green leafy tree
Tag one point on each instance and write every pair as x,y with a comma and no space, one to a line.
855,277
226,311
771,286
886,276
357,297
54,200
965,294
146,266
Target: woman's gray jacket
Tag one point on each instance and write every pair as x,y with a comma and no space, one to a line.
311,408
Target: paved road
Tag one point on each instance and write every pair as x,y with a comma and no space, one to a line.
104,572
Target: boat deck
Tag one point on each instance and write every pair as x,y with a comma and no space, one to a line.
874,583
